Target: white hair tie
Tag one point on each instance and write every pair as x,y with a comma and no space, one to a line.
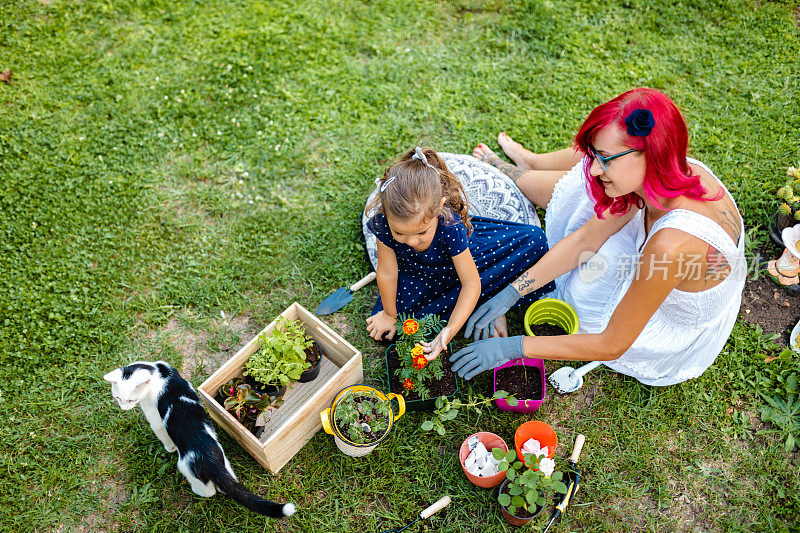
386,183
420,156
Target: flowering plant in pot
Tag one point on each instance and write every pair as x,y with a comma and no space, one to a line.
409,372
282,357
522,494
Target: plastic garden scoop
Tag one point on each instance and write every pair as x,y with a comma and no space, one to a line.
567,379
435,508
343,296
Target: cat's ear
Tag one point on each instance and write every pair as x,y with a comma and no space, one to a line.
115,376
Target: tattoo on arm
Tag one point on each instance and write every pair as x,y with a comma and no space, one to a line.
512,171
523,282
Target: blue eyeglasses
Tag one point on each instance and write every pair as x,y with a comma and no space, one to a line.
603,161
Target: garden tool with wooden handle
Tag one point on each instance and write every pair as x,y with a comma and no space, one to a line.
343,296
435,508
573,483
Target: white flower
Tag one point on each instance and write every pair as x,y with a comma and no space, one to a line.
547,466
790,171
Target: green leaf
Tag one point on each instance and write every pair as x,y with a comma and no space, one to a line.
498,454
513,402
504,500
427,425
511,455
499,395
514,490
440,430
517,501
511,474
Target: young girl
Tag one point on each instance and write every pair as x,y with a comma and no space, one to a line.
432,258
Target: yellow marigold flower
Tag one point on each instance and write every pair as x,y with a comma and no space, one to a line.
416,350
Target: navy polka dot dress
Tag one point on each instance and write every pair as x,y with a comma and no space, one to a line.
427,282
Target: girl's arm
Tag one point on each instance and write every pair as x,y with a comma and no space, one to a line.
384,321
658,274
467,298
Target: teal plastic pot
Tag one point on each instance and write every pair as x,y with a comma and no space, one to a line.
551,311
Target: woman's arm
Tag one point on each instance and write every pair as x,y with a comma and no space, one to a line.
384,321
658,274
560,259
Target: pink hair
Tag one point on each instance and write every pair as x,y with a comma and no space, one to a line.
667,174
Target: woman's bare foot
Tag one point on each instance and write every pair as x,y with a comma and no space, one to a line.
483,153
500,327
524,158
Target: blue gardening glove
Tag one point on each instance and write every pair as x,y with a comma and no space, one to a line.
485,355
483,319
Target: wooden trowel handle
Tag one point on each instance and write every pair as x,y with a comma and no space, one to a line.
576,451
436,507
369,278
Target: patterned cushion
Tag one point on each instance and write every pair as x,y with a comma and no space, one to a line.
490,193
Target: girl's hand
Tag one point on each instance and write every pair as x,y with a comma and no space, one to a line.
381,323
436,346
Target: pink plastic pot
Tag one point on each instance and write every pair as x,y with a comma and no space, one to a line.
528,405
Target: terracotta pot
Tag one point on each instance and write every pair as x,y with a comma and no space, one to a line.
515,520
538,430
490,440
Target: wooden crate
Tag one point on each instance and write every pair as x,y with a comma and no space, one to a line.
297,420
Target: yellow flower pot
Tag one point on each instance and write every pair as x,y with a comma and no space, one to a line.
354,449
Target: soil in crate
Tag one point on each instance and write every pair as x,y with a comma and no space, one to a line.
524,382
441,387
547,330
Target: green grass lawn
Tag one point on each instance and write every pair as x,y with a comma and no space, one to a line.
175,174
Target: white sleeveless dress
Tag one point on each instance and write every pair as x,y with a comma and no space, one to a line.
687,332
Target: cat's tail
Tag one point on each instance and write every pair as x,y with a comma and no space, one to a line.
230,486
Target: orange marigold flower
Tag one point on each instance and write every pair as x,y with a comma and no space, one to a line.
420,362
408,384
410,326
416,351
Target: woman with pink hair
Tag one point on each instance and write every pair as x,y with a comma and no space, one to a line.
646,244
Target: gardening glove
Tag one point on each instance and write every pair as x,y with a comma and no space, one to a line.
485,355
483,319
433,348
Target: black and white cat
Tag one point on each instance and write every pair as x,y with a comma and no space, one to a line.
173,409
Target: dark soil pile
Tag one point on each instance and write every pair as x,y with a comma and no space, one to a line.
524,382
547,330
442,387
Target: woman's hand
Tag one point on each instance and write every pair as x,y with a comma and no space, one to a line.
483,319
381,323
485,355
434,348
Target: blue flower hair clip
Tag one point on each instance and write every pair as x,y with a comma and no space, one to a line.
640,122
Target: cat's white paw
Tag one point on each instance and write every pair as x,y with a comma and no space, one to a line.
171,448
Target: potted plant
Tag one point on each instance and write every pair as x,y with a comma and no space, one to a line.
482,441
788,213
360,417
281,358
522,494
409,373
253,409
